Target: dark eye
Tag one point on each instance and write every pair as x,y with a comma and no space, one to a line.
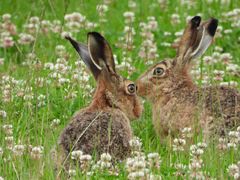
131,88
158,71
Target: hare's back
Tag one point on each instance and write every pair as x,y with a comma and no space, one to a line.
224,103
97,132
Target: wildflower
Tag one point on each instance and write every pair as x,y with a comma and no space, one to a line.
72,172
6,17
233,69
3,114
55,123
196,151
136,175
9,142
41,100
187,132
56,26
154,160
8,129
234,170
7,42
129,17
175,19
178,144
45,26
105,162
85,161
135,144
180,169
34,20
18,150
25,39
226,58
208,60
60,50
222,144
36,152
234,139
218,75
76,154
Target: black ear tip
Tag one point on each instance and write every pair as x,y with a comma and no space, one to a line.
196,20
67,37
212,27
73,42
96,35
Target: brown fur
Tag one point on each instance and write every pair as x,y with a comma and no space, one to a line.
103,126
178,102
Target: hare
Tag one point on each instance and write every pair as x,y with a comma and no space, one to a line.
177,101
103,126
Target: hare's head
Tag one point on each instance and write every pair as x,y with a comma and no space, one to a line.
169,75
113,91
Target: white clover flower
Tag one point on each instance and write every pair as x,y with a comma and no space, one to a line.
106,157
139,165
102,8
34,20
6,17
136,175
129,17
36,152
3,114
175,19
232,68
187,132
49,66
135,144
72,172
25,39
85,157
55,122
60,50
18,150
202,145
9,141
104,165
218,75
234,171
76,154
7,42
178,144
1,178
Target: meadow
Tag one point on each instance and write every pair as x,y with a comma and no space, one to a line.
43,82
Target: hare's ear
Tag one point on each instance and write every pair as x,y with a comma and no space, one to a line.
100,52
84,54
195,40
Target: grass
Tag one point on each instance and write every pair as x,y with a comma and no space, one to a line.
31,125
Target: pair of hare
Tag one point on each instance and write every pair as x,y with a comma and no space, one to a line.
104,126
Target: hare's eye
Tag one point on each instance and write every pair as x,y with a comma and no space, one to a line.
131,88
158,71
